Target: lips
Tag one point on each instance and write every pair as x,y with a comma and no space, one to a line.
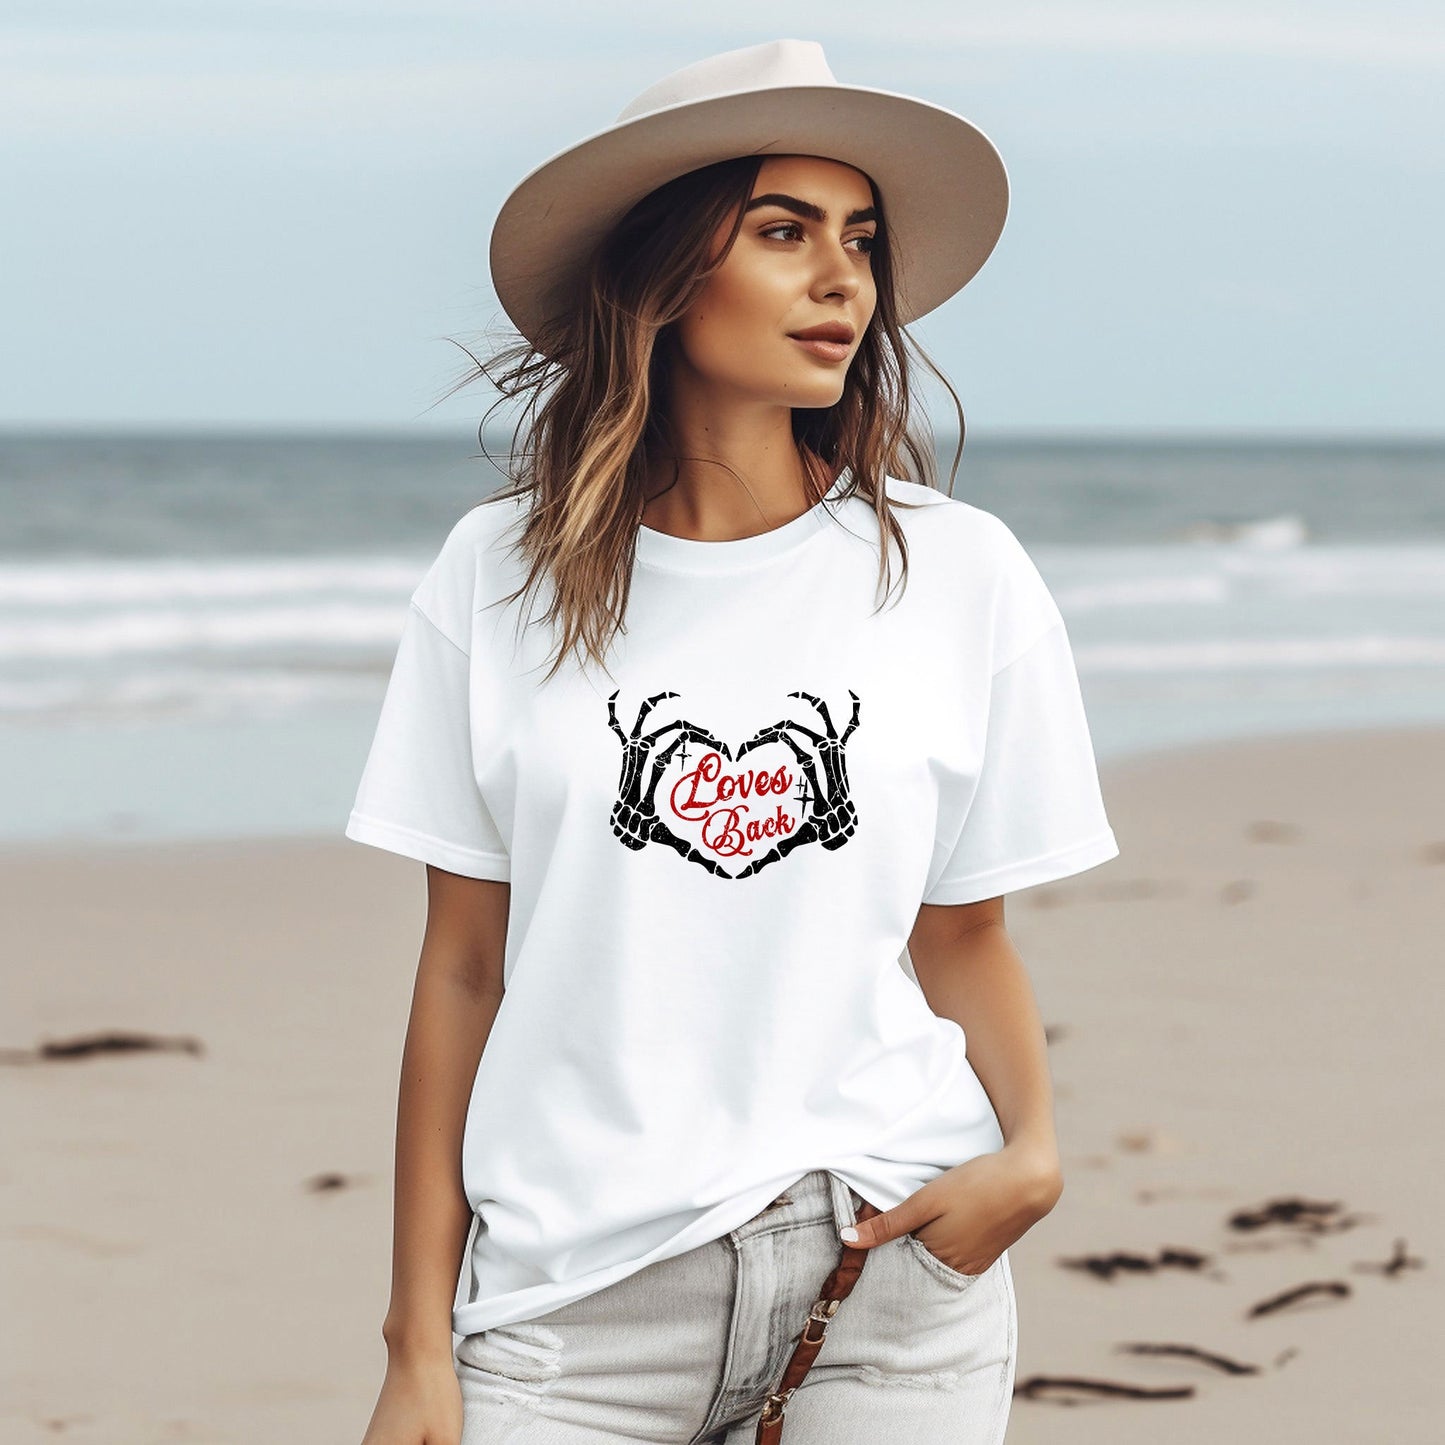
838,331
824,350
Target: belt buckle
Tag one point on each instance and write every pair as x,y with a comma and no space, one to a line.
773,1405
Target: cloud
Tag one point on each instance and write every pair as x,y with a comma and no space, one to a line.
323,69
1403,30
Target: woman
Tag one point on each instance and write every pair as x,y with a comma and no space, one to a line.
680,830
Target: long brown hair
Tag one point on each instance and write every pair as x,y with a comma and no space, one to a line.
595,425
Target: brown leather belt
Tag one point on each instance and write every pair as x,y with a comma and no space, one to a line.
810,1339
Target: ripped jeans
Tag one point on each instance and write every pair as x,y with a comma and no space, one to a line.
684,1350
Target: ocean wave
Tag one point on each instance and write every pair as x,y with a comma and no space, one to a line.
69,584
185,693
1248,653
322,625
1087,580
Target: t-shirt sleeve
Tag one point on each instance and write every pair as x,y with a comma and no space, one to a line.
418,794
1037,812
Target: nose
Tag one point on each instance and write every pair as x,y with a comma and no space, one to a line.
837,272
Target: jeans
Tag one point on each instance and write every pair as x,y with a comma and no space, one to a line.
685,1350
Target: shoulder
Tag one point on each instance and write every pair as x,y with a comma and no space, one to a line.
991,576
973,533
470,564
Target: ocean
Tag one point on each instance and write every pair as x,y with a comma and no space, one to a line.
196,630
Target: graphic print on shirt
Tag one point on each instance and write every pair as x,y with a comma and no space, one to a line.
727,806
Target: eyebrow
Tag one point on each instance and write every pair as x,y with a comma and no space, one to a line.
808,209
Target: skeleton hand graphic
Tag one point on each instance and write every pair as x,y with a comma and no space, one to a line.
832,816
634,814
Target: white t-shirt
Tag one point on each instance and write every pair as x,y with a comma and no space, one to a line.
716,857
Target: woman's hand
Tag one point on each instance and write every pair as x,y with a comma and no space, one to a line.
420,1403
971,1213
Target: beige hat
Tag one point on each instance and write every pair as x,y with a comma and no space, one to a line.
943,183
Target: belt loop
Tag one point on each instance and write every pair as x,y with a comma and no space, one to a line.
845,1201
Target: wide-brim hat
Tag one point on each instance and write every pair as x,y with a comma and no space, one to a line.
942,181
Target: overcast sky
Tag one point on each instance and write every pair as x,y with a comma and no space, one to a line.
1224,217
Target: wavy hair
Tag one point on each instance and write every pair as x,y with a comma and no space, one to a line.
594,425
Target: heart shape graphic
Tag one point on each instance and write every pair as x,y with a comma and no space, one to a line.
731,811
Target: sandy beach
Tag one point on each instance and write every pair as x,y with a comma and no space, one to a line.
1244,1019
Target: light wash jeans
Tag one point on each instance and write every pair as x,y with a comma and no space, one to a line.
683,1351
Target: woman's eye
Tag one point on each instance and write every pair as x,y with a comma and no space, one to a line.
869,242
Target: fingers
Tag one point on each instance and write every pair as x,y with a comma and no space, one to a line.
874,1226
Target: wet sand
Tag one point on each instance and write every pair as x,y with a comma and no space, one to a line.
1244,1019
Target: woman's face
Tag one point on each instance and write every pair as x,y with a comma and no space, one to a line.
800,260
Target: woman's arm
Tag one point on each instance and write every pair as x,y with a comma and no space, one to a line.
454,1003
970,972
970,1214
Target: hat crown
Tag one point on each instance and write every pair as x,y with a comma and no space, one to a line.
754,67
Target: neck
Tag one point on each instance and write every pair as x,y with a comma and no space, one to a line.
723,493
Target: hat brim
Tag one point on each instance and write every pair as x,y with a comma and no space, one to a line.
943,183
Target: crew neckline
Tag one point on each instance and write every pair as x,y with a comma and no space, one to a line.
689,554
